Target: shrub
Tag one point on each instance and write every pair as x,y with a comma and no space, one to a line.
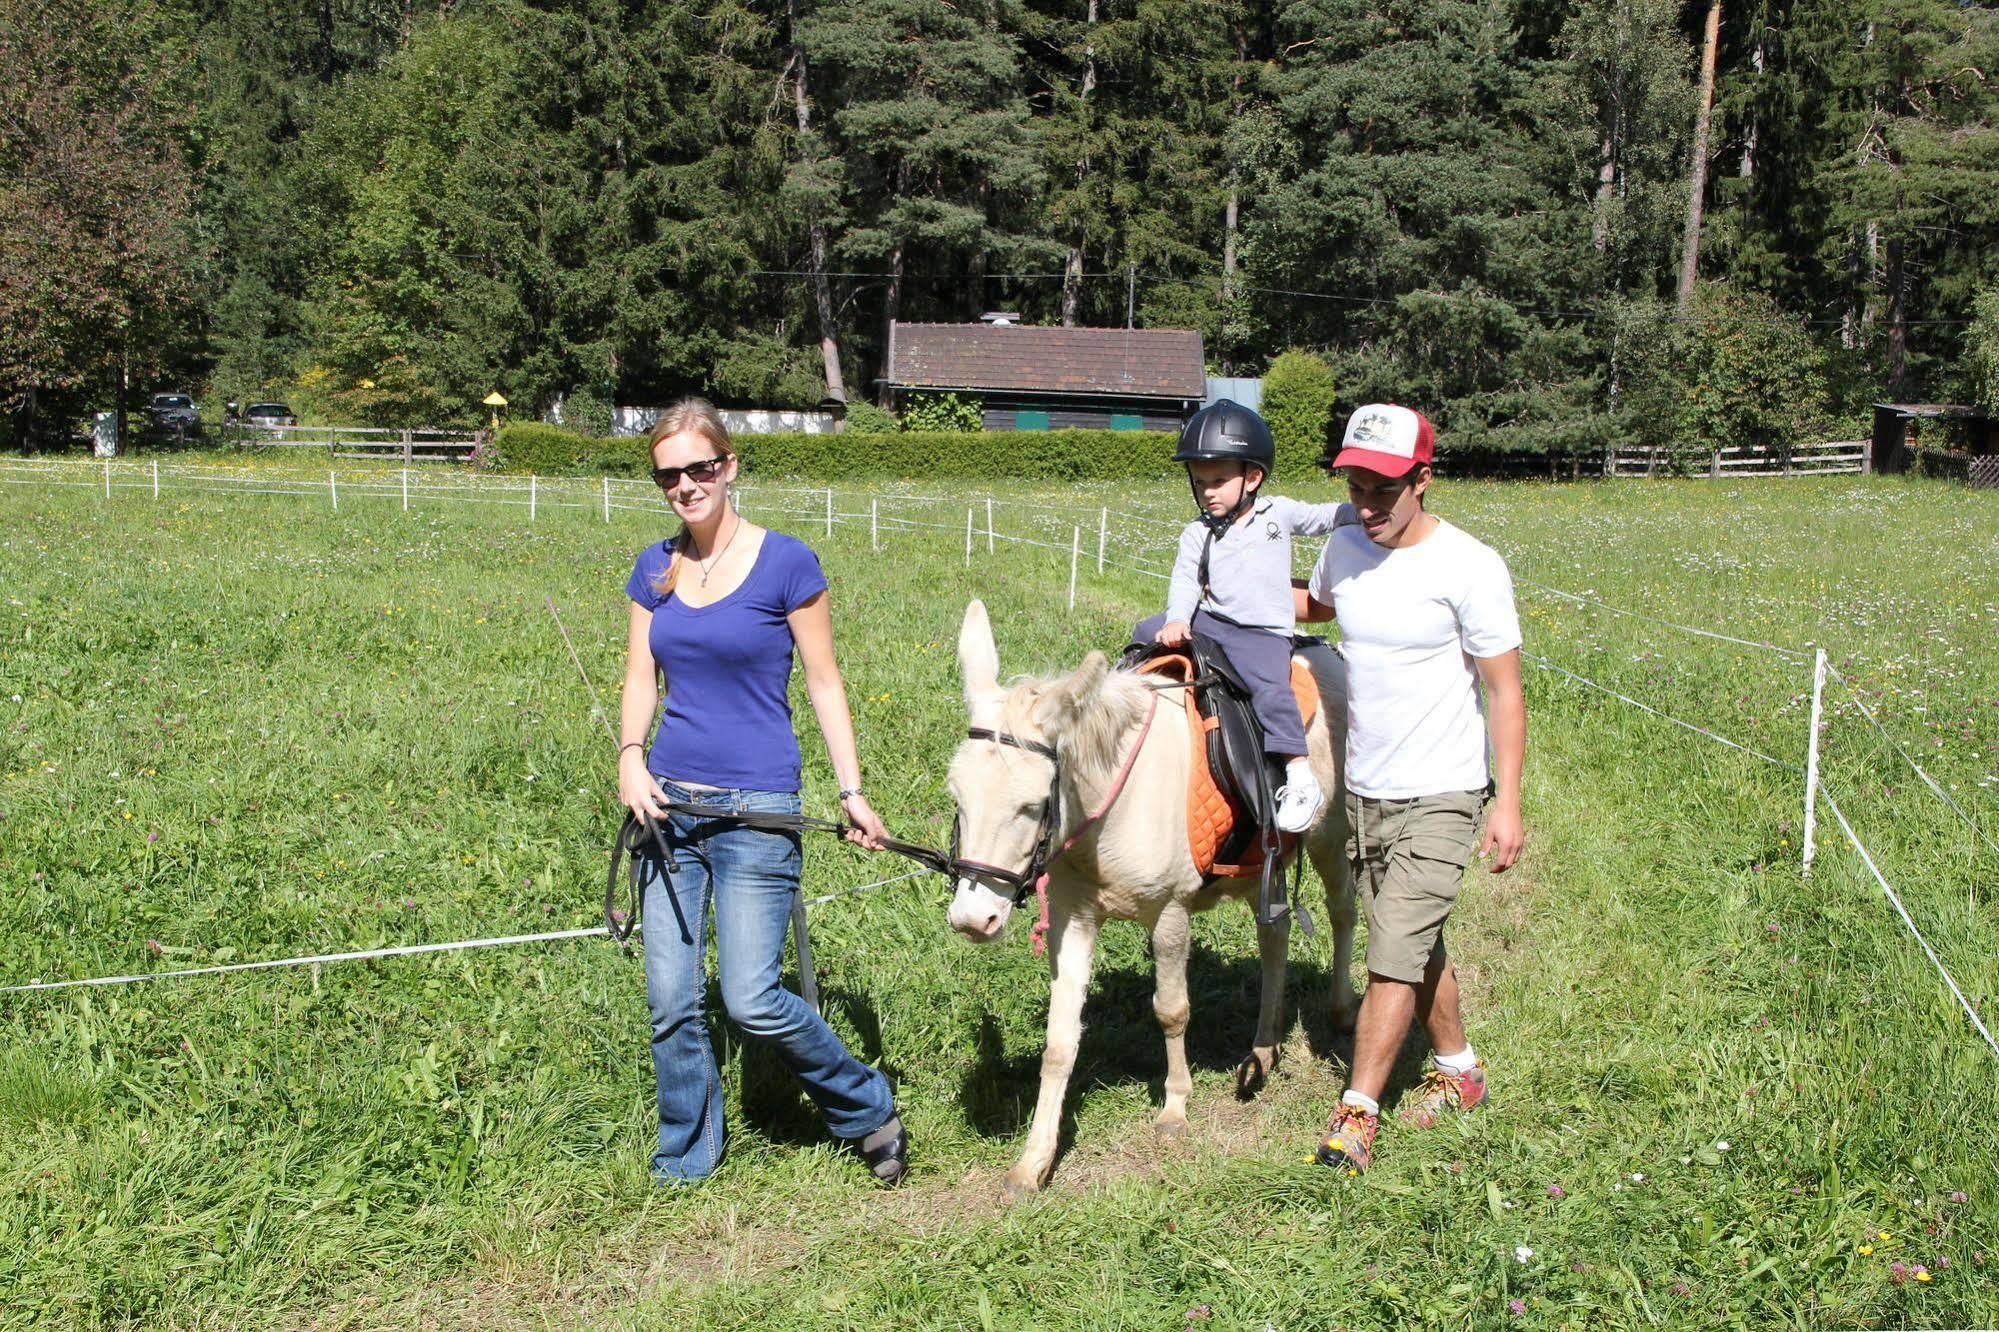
1748,375
1981,349
868,419
587,413
937,412
1298,404
1064,455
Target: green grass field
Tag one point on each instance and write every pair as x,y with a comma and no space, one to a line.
247,726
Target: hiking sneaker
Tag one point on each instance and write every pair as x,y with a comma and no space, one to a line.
1349,1141
1444,1093
1298,806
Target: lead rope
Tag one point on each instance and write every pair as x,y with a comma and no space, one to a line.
1117,786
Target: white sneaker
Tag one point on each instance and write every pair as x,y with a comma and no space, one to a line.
1298,805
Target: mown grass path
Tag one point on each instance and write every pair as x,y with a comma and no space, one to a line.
241,726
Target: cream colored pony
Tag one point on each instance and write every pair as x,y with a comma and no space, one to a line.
1133,864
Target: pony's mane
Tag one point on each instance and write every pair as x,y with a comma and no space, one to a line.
1093,743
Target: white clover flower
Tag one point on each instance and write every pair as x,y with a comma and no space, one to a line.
1721,1146
1521,1253
1637,1177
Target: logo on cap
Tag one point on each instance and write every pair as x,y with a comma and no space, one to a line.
1387,438
1373,430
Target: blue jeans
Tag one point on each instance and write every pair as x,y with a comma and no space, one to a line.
751,878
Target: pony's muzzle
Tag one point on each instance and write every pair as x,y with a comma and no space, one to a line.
979,913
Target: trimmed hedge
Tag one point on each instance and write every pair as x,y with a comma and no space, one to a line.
1039,455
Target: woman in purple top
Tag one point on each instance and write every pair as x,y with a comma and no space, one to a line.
717,612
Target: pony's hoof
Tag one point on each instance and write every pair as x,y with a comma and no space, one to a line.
1018,1185
1254,1071
1170,1130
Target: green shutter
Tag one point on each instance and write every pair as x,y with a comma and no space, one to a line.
1123,422
1030,419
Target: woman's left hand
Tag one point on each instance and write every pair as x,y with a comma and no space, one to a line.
867,830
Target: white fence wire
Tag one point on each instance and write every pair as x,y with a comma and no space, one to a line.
610,495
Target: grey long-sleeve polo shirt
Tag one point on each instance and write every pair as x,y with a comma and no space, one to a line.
1249,564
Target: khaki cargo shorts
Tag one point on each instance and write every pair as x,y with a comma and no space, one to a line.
1408,859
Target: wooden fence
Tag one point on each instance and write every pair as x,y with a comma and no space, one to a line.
413,445
1804,460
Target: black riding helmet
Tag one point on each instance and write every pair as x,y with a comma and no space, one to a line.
1226,431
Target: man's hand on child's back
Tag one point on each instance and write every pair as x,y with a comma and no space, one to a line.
1174,633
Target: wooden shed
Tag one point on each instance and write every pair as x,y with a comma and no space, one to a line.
1042,378
1947,438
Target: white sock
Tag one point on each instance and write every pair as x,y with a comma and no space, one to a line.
1367,1103
1298,770
1463,1062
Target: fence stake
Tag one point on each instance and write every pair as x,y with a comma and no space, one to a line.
829,512
989,524
1812,760
406,489
874,527
1075,549
333,489
607,499
968,536
1103,530
534,493
107,478
156,478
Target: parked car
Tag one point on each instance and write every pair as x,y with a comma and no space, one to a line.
269,414
174,414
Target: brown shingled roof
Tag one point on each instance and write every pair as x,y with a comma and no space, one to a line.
1135,362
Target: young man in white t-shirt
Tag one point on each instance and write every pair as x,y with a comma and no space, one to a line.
1432,646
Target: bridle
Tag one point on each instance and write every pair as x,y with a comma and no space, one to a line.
1021,881
637,833
1034,878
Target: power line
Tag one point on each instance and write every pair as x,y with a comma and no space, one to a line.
1168,279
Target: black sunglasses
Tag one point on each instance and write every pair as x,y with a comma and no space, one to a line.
702,473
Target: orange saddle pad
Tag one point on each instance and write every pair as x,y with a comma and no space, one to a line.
1210,816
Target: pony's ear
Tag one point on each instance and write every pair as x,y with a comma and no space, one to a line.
978,658
1065,702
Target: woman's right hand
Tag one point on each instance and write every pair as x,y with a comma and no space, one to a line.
637,791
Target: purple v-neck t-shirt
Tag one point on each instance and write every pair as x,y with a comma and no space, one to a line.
727,665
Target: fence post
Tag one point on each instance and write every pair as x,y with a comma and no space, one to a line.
1103,531
406,489
1075,549
534,494
333,488
874,524
989,524
1714,462
607,499
829,513
968,536
1812,760
156,478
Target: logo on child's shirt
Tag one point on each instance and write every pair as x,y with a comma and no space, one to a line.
1271,532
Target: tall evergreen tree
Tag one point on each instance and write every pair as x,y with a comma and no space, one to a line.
932,129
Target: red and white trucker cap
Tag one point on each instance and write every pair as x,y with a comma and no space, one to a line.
1388,439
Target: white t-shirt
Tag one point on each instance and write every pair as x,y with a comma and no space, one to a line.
1411,621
